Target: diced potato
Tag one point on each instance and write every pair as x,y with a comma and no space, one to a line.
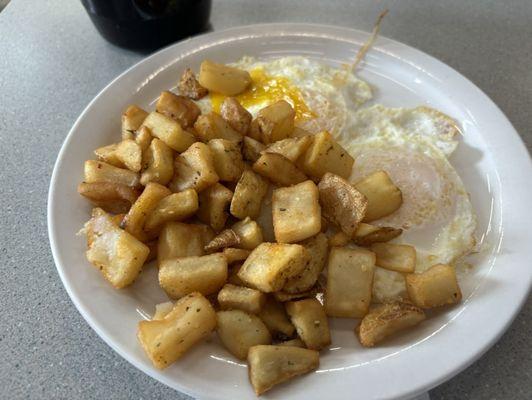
237,116
276,121
273,314
158,163
126,154
241,298
181,276
213,126
213,204
367,234
143,138
233,278
169,131
349,282
325,155
223,79
396,257
97,171
296,212
300,132
162,310
108,154
235,255
179,108
386,320
92,234
251,149
270,265
388,286
136,217
271,365
194,169
317,248
312,326
278,169
339,239
190,87
435,287
254,131
249,192
291,148
227,158
174,207
153,250
165,341
111,197
283,297
178,240
249,232
383,196
132,119
118,255
341,203
226,238
297,342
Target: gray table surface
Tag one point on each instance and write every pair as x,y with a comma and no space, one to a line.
53,63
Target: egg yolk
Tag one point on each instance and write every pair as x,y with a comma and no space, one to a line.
265,90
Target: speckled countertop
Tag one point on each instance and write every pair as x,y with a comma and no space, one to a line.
53,63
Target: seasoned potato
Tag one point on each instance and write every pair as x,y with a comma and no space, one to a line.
165,341
233,278
178,108
283,297
388,286
162,310
194,169
223,79
273,314
126,154
213,126
341,203
339,239
269,266
227,158
143,138
300,132
317,248
97,171
271,365
179,240
325,155
169,131
291,148
296,212
251,149
278,169
249,192
92,234
297,342
174,207
237,116
239,331
254,131
111,197
118,255
213,204
249,232
158,163
181,276
435,287
235,255
312,326
386,320
190,87
225,238
241,298
132,119
349,282
276,121
396,257
383,196
367,234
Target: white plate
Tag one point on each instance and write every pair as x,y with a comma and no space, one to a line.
491,159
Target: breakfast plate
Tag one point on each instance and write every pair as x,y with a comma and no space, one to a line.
490,159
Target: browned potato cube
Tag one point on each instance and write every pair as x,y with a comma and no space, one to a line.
251,149
396,257
223,79
276,121
227,158
179,108
241,298
213,126
126,154
254,131
278,169
162,310
297,342
312,326
300,132
97,171
339,239
194,169
178,240
237,116
91,234
225,238
158,163
249,192
169,131
111,197
435,287
174,207
383,196
388,286
235,255
273,314
132,119
213,204
249,232
283,297
190,87
143,138
291,148
367,234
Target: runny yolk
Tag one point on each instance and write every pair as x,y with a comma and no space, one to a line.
265,90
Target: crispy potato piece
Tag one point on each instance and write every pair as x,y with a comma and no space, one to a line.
249,232
97,171
341,203
271,365
118,255
273,314
296,212
278,169
326,155
339,239
437,286
291,148
300,132
213,126
317,248
312,326
158,163
283,297
111,197
169,131
91,233
349,282
191,320
269,266
181,276
194,169
132,119
190,87
213,204
174,207
179,108
126,154
276,121
162,310
235,255
297,342
396,257
388,286
153,250
223,79
178,240
225,238
249,192
251,149
143,138
386,320
241,298
233,278
227,158
237,116
254,131
383,196
239,331
367,234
